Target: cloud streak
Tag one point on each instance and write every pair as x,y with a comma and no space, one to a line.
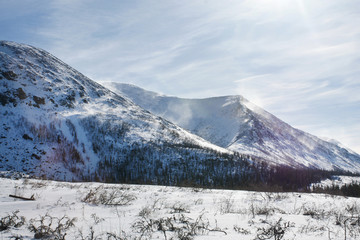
300,60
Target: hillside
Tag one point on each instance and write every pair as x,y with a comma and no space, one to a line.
234,123
57,123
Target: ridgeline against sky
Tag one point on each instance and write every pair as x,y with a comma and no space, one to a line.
297,59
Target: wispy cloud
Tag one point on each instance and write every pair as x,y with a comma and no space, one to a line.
298,59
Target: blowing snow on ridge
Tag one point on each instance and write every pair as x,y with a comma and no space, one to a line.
234,123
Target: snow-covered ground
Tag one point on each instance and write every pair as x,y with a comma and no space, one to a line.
119,211
338,181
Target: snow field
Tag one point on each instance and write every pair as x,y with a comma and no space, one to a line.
119,211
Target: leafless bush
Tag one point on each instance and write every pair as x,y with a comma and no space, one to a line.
38,184
179,208
97,219
352,227
199,201
274,230
226,205
314,212
157,205
11,220
352,209
145,211
255,209
91,234
280,196
51,227
265,210
241,230
312,227
350,224
348,219
274,196
177,226
116,236
101,196
339,218
68,185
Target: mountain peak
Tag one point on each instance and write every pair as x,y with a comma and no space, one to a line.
239,125
60,124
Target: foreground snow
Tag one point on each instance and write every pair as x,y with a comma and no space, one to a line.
119,211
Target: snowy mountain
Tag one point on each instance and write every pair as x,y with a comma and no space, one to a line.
59,124
234,123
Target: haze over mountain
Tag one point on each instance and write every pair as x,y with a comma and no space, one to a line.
57,123
234,123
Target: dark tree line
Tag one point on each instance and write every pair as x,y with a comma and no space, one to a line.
350,190
147,164
174,164
187,164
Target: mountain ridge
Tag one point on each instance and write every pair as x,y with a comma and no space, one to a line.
238,125
58,124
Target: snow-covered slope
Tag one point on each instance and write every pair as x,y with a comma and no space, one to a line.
57,123
233,122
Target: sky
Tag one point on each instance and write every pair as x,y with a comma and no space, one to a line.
297,59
